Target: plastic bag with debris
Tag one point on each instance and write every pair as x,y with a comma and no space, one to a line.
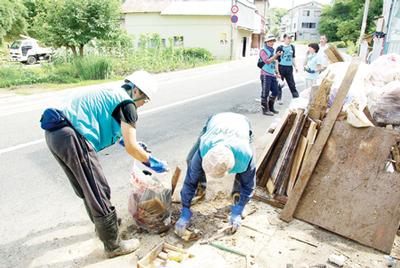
384,70
385,107
149,202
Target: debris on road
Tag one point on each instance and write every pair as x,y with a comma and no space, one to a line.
337,259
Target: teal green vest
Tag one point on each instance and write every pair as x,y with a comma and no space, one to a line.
269,68
90,112
231,130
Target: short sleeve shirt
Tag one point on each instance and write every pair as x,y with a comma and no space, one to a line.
126,112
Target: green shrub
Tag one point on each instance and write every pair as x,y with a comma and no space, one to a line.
93,67
339,44
197,53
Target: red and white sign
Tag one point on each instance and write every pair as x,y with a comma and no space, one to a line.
235,9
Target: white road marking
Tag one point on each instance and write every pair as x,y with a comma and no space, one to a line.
24,145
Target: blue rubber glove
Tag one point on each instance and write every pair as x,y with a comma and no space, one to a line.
235,219
156,165
183,222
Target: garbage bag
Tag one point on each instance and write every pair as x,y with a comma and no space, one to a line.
385,107
149,201
384,70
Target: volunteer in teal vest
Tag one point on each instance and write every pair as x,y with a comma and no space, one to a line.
89,122
223,147
286,64
269,84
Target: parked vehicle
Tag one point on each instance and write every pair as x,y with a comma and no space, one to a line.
29,51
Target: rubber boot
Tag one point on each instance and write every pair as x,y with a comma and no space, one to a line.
271,103
295,94
107,230
265,110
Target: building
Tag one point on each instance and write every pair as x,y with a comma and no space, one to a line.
302,21
202,23
387,36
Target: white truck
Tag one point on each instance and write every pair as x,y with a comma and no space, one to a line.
29,51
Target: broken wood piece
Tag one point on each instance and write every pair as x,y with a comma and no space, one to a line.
272,138
253,229
220,233
303,241
333,54
297,160
175,179
319,101
396,157
190,236
261,195
282,176
316,150
275,153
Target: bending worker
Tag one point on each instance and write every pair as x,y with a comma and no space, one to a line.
223,147
91,121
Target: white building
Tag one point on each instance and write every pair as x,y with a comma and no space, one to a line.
206,24
302,21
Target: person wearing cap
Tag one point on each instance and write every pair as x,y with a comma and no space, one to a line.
312,66
91,121
286,64
269,84
224,147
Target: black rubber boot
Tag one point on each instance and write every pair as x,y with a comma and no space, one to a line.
107,230
295,94
265,110
271,103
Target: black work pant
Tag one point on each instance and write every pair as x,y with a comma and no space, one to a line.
82,167
286,73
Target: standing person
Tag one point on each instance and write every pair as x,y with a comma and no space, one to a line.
269,84
323,45
312,66
286,64
91,121
223,147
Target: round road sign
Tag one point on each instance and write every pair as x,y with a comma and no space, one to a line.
234,9
234,18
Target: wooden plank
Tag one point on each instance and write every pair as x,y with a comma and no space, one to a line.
275,151
282,177
175,179
298,159
272,138
319,103
350,192
312,159
311,136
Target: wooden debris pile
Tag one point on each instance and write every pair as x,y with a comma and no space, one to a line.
326,172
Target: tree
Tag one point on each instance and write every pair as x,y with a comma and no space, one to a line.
275,18
342,20
12,18
74,23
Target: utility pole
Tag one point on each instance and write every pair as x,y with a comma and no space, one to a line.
364,25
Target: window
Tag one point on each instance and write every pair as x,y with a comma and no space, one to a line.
178,41
308,25
317,13
306,13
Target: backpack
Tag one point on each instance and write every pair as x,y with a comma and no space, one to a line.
280,48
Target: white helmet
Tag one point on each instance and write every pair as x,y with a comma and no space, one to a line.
218,161
145,82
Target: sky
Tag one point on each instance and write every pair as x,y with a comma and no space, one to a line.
288,3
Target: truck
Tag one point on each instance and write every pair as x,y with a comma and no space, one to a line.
29,51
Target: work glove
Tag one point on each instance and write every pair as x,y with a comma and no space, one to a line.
308,70
235,219
156,165
183,222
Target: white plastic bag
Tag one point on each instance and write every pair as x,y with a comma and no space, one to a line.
149,202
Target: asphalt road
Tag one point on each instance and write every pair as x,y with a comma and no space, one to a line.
36,198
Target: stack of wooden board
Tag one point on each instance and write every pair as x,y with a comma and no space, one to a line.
331,174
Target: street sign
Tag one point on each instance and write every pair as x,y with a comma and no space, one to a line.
234,9
234,18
